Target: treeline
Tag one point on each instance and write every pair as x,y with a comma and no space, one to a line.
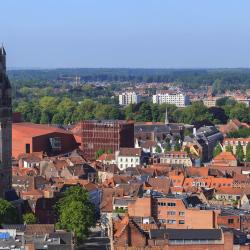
221,79
56,110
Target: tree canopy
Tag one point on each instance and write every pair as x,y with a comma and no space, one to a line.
76,212
8,213
29,218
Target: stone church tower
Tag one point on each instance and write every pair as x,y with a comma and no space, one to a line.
5,127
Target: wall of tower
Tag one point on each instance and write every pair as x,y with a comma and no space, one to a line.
5,127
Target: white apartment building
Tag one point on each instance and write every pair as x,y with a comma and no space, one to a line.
127,98
178,99
128,158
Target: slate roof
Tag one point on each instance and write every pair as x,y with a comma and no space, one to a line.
186,234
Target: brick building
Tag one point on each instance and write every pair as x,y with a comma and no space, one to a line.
29,138
106,135
5,126
129,235
185,213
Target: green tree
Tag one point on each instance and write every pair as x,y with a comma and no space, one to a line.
58,118
8,213
145,113
110,151
45,117
229,148
217,149
99,152
195,112
129,114
240,111
76,212
240,152
158,149
155,113
167,146
29,218
177,146
248,152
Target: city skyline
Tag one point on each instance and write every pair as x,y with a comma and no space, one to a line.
141,34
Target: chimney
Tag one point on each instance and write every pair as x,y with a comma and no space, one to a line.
194,131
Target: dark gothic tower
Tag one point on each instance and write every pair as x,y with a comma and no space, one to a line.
5,127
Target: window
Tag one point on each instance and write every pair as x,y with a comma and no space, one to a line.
171,204
161,204
27,148
171,212
56,143
181,222
181,213
171,221
230,221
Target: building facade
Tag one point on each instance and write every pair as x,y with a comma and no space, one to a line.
176,98
105,135
176,157
29,138
127,98
234,142
128,158
5,126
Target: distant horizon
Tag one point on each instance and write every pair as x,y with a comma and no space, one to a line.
129,68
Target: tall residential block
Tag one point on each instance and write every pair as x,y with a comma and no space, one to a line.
177,98
127,98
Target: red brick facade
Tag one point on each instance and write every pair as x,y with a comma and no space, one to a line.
106,135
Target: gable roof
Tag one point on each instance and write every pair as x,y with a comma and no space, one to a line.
224,156
130,152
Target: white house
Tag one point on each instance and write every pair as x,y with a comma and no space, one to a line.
128,158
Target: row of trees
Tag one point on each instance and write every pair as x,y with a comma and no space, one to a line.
241,156
55,110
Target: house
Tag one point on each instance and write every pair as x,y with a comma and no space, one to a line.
205,138
30,160
234,142
231,126
176,157
129,158
84,171
185,212
225,158
36,236
147,146
231,194
107,159
160,184
128,234
245,202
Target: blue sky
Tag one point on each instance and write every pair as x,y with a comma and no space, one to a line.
126,33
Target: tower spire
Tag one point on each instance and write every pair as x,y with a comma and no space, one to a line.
166,117
3,52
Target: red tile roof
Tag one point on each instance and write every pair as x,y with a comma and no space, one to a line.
224,156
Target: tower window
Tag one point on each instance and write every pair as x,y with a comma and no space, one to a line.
27,148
